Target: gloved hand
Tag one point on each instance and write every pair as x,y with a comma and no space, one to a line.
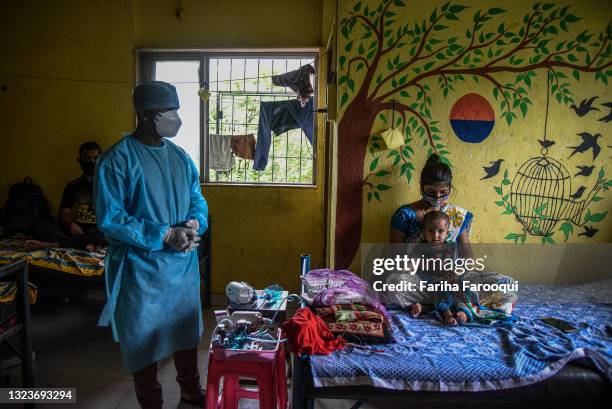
193,224
192,246
181,238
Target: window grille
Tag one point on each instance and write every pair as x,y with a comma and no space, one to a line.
237,86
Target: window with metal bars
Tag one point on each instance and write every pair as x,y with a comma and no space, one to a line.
237,86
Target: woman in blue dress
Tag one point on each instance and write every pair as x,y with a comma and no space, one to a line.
407,227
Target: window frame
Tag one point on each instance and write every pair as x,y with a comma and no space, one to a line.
145,69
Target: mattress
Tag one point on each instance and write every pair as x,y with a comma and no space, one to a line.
429,356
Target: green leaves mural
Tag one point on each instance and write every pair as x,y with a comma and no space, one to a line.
390,62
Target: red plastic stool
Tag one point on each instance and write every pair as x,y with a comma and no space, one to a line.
266,367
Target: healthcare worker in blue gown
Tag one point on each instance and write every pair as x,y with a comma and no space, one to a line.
150,207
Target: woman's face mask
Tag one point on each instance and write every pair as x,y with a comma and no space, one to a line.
435,199
168,123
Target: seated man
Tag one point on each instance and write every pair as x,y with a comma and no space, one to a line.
76,217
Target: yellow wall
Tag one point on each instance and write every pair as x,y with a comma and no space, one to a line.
515,143
44,121
218,24
259,232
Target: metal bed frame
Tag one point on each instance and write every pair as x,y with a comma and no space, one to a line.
19,269
574,384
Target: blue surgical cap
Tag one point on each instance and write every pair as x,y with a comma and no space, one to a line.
155,95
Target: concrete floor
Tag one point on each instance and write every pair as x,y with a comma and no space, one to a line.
72,351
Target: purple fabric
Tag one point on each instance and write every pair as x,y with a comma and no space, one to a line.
329,287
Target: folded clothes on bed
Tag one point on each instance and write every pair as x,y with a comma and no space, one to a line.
357,323
325,287
353,312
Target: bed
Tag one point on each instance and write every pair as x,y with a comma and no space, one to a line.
75,273
436,366
57,272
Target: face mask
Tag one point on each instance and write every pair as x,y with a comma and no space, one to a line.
434,201
88,167
168,123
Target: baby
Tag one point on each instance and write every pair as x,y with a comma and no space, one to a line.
452,305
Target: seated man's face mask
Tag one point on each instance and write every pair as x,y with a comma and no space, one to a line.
88,167
167,123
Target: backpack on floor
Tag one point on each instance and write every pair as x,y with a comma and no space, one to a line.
26,203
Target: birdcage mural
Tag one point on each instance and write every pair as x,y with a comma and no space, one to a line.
540,196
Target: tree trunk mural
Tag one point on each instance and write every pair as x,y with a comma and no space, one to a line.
387,63
353,138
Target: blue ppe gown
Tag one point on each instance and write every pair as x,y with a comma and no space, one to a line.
153,291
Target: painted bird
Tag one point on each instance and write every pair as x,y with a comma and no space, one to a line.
546,143
493,169
588,142
584,170
578,193
585,107
607,118
589,231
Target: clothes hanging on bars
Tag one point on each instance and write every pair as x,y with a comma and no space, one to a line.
299,81
243,146
220,155
279,117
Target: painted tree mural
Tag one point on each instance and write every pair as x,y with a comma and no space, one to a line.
388,67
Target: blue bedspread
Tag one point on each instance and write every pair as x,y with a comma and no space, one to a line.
431,356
